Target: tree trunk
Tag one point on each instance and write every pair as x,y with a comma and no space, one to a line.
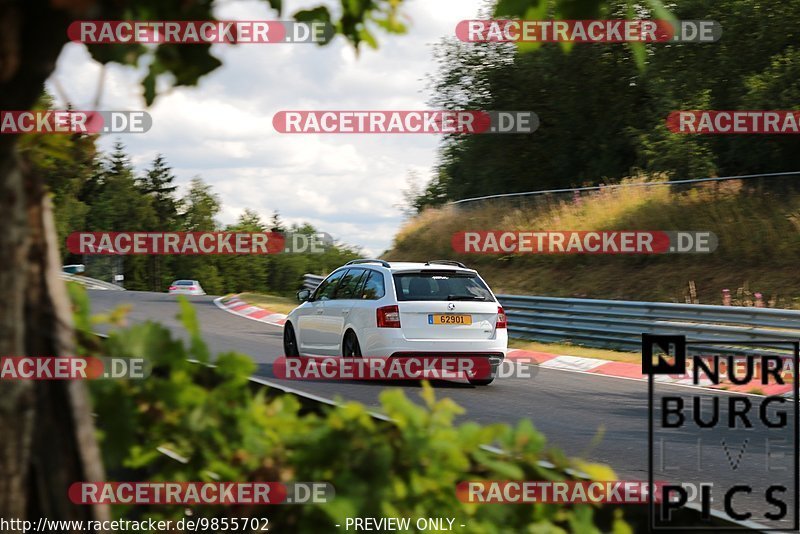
47,438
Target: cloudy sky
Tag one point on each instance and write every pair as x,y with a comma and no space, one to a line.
346,185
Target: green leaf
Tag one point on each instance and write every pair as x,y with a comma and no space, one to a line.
365,36
186,63
149,86
501,468
235,367
318,14
660,12
639,53
124,54
277,5
579,9
596,471
517,8
80,306
188,317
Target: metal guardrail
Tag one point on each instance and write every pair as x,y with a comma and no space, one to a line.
311,281
619,324
608,187
91,283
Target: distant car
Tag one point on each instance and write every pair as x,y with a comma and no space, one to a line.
377,308
77,268
186,287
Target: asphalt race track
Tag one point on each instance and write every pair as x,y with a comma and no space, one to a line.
569,408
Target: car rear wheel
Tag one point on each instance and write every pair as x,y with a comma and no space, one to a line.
480,381
350,346
484,381
290,342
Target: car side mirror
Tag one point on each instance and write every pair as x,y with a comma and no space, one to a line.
303,295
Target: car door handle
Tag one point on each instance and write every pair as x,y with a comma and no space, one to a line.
319,312
345,312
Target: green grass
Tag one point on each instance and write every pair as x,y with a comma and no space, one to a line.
271,302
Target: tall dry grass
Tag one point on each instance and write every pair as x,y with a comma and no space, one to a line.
758,232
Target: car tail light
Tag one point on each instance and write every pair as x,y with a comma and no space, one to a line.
502,322
388,317
173,288
191,288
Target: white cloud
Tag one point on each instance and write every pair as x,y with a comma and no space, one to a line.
346,185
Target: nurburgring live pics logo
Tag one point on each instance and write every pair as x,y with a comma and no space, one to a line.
727,425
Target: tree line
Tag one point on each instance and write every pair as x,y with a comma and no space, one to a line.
603,116
93,191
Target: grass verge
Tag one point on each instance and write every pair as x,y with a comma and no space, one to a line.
270,302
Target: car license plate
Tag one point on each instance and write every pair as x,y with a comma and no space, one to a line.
449,318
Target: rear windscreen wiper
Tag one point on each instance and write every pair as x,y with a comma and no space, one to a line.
465,297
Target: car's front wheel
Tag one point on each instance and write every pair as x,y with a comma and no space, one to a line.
290,342
350,346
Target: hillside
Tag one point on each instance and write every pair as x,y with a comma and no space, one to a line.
758,230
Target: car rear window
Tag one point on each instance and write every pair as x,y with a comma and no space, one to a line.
184,283
437,285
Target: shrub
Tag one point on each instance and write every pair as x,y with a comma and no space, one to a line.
224,431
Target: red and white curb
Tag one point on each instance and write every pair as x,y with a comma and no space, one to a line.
631,371
233,304
577,364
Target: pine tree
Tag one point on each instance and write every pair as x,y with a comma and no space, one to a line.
158,184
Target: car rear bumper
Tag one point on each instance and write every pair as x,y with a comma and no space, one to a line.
388,346
495,358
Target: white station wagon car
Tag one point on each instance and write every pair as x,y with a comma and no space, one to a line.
399,309
186,287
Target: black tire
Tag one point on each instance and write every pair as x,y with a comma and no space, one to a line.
290,348
480,381
484,381
350,346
